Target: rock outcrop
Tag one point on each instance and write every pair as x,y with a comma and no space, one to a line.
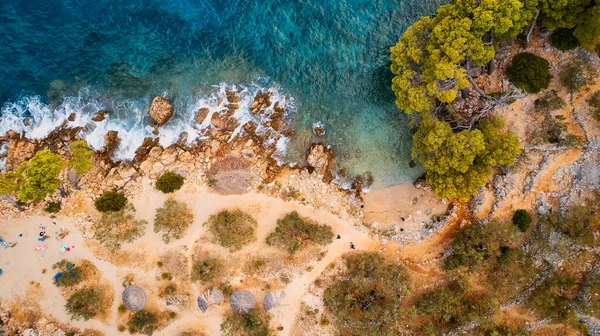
100,116
202,114
320,158
161,111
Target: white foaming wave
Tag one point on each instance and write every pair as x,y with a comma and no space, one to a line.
134,124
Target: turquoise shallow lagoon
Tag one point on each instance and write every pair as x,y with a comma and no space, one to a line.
330,57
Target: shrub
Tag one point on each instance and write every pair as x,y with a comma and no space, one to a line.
81,157
370,290
594,102
529,72
84,304
34,179
71,275
549,101
452,304
576,75
552,298
115,228
522,220
563,39
143,322
579,222
477,245
255,323
111,201
232,229
173,218
169,182
293,233
52,207
207,269
122,309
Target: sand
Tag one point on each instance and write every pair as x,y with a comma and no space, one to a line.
22,264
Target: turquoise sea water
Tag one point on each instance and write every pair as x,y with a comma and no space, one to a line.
330,57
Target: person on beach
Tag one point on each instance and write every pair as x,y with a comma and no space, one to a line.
351,245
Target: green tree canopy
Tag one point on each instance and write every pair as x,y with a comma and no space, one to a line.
529,72
81,157
34,179
562,13
588,30
428,61
456,164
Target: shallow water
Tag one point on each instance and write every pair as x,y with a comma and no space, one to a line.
329,58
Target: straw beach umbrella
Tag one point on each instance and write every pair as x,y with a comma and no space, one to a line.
242,302
134,298
211,297
273,300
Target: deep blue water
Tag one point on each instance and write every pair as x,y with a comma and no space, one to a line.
331,56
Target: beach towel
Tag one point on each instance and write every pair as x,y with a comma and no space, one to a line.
3,242
63,248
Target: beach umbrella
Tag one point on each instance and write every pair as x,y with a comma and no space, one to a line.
210,297
134,298
242,302
273,299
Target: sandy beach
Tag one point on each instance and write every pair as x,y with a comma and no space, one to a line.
23,265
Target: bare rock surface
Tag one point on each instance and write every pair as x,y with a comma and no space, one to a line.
161,110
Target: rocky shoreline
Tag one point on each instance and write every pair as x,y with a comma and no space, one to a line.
226,142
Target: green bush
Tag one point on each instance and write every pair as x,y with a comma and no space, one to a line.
169,182
453,304
84,304
522,220
111,201
579,222
594,102
115,228
293,233
81,157
529,72
563,39
577,75
143,322
552,298
255,323
476,246
232,229
207,269
122,309
71,275
173,218
365,299
52,207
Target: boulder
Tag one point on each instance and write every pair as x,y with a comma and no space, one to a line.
112,140
72,117
100,116
161,111
319,157
223,122
202,114
421,183
18,151
319,130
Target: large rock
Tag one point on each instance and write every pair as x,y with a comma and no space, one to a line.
223,122
320,157
161,111
202,114
112,140
100,116
18,151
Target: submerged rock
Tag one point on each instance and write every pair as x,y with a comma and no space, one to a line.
319,129
161,111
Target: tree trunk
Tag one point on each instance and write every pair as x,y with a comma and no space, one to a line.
531,28
491,66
